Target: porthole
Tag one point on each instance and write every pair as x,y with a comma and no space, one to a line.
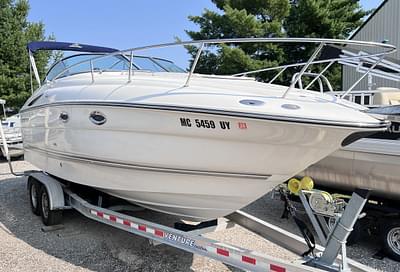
251,102
290,106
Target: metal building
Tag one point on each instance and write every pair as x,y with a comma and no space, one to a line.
382,25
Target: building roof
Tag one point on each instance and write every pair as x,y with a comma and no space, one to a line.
368,19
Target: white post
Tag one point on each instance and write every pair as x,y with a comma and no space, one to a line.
3,102
196,59
4,141
33,65
91,70
277,75
319,75
363,76
30,77
305,67
130,67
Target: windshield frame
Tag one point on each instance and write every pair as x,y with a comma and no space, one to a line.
167,60
78,55
135,66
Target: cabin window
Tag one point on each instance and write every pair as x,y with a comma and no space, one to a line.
357,99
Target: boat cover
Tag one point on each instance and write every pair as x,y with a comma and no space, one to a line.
68,46
391,113
387,110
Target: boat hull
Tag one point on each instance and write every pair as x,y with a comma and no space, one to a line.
154,158
195,196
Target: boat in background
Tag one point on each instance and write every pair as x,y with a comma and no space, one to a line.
13,135
11,128
197,146
372,162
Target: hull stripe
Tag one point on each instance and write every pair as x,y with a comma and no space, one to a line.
78,158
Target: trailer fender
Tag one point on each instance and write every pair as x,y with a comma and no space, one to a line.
54,189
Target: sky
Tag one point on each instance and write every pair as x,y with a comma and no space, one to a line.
125,24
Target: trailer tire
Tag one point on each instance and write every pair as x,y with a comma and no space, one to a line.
391,239
49,217
34,188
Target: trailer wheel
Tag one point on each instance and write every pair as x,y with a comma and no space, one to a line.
391,239
49,217
34,191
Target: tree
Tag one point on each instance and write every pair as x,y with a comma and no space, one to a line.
334,19
271,18
324,18
15,33
258,18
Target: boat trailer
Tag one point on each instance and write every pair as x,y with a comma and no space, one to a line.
54,197
50,196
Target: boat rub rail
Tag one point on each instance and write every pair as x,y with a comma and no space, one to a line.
383,124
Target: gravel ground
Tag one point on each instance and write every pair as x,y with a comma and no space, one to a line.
85,245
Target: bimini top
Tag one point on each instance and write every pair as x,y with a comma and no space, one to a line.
67,46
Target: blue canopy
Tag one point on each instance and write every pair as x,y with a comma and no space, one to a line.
66,46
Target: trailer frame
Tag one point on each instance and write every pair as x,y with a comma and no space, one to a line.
61,196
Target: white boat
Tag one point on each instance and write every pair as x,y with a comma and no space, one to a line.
371,162
11,128
197,146
13,136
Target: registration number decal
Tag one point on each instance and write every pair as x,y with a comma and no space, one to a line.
204,123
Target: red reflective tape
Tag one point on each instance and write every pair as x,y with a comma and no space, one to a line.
100,214
127,223
142,227
113,218
223,252
248,260
159,233
276,268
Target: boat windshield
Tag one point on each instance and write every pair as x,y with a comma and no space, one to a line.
109,63
168,65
